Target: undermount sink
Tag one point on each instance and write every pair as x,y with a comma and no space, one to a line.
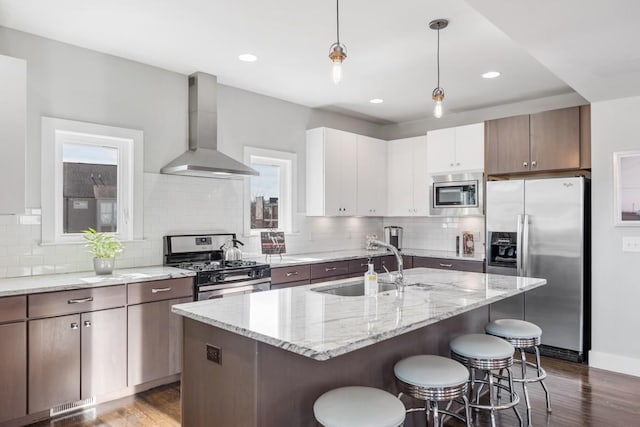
353,290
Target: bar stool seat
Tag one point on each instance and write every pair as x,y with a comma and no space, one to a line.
357,406
434,379
487,353
522,335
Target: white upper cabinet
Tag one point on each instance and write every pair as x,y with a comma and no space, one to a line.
331,172
372,176
455,149
13,131
407,191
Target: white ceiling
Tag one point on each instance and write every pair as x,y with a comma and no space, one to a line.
391,49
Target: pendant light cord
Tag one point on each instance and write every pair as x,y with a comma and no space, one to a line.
438,56
338,21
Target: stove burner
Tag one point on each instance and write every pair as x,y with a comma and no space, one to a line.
215,265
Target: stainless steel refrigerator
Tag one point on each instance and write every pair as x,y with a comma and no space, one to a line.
541,228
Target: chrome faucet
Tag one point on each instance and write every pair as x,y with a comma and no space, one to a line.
399,278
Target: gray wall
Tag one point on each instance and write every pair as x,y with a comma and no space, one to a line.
69,82
616,286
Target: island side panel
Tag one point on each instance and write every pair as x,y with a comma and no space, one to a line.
218,394
290,383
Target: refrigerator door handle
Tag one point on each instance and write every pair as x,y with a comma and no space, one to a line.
519,246
525,246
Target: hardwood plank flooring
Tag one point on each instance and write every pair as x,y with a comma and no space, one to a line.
580,396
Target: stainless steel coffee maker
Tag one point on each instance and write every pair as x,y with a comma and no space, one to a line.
393,236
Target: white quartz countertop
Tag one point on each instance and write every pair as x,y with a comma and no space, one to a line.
318,257
87,279
322,326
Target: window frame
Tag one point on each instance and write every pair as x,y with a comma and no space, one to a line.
128,142
288,188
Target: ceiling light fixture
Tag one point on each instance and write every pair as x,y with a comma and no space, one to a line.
337,51
376,101
248,57
491,74
438,92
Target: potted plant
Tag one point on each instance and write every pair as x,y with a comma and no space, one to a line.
104,248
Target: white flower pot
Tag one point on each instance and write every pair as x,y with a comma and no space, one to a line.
103,265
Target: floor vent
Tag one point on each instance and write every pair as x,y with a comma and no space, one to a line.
70,407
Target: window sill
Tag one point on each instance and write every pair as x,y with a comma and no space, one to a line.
83,242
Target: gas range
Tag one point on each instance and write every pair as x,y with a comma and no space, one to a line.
215,277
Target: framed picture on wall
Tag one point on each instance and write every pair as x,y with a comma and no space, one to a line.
626,190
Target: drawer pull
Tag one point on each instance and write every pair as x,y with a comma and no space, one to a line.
156,290
364,265
330,268
80,300
292,273
74,325
446,265
87,323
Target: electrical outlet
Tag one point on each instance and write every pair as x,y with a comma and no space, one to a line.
214,354
631,244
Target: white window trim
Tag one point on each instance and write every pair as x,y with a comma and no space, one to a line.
288,185
55,132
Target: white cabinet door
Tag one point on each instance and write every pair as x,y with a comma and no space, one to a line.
372,177
407,175
441,151
13,125
331,172
470,147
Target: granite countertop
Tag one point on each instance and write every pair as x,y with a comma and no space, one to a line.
87,279
322,326
318,257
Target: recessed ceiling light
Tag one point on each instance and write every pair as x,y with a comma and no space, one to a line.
248,57
491,75
376,101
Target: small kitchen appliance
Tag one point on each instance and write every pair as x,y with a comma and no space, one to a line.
215,276
456,195
393,236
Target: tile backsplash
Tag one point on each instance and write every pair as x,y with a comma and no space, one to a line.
175,204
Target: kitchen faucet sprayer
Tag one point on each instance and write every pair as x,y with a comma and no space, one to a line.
399,278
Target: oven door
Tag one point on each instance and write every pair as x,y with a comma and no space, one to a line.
237,288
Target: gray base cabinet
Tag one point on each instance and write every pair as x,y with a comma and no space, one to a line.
154,340
13,371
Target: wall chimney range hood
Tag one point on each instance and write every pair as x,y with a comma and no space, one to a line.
203,159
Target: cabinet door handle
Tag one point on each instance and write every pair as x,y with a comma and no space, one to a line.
458,164
331,269
292,273
446,265
74,325
525,164
156,290
534,164
80,300
87,323
364,265
450,164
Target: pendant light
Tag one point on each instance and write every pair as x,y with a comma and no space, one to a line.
337,51
438,92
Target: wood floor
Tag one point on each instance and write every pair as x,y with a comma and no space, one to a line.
580,396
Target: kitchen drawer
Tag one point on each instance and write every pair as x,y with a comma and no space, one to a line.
448,264
359,265
329,269
13,308
289,284
158,290
76,301
293,273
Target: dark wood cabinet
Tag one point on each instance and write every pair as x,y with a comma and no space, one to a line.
449,264
154,341
282,277
553,140
13,370
506,145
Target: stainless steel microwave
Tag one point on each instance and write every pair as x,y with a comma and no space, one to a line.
456,195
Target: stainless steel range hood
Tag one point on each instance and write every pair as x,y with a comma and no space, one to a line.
203,159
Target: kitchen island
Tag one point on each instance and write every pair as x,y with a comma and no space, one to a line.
262,359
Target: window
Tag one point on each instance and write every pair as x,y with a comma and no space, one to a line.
270,195
91,177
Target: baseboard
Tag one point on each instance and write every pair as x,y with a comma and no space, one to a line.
615,363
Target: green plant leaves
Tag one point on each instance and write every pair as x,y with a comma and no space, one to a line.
102,245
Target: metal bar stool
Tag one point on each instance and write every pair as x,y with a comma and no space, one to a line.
523,335
434,379
487,353
358,407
